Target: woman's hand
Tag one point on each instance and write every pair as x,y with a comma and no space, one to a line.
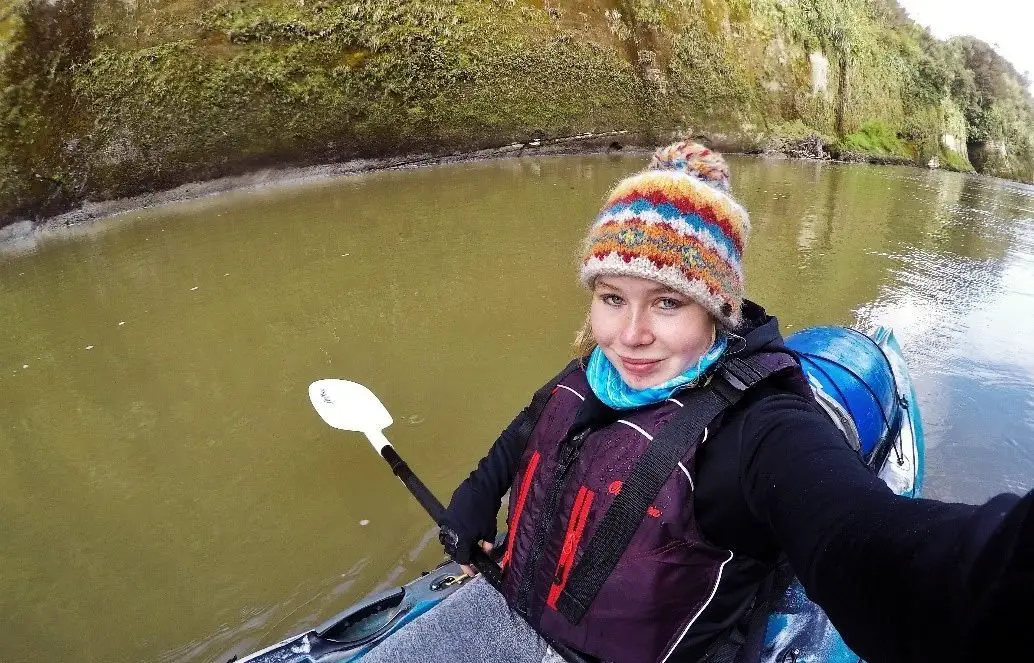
470,570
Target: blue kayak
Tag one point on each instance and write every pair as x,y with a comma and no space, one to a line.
862,383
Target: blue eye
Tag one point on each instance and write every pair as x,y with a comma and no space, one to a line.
669,303
610,299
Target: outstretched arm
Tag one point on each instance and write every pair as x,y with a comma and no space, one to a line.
901,579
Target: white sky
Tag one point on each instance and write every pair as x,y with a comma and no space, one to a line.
1005,24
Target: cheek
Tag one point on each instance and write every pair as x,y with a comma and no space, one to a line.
686,337
687,346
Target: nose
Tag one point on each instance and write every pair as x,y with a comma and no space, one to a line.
636,331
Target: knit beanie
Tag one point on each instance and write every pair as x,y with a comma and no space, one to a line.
677,224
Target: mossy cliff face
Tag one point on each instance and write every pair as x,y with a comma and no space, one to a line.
44,45
106,98
171,92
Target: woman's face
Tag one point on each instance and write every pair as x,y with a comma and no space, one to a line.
649,332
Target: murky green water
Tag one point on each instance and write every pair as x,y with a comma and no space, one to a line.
166,494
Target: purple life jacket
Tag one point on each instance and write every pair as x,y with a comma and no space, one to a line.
667,574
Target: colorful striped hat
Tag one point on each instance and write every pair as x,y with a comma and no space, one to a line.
677,224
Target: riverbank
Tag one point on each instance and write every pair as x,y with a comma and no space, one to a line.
105,101
26,235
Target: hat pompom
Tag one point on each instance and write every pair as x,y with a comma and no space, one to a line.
693,158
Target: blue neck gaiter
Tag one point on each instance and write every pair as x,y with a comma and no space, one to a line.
608,386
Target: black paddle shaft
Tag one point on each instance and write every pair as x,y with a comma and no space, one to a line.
422,494
481,561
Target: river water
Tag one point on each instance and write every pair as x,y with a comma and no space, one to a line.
167,494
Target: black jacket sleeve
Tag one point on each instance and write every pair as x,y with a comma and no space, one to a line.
474,507
901,579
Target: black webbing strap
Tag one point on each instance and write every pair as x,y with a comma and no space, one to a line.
533,411
619,524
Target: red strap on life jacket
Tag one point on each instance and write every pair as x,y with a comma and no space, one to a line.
529,473
575,528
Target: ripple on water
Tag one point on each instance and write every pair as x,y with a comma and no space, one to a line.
962,308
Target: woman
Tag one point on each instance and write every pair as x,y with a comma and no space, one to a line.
658,480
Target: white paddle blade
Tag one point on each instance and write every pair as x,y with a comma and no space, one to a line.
349,406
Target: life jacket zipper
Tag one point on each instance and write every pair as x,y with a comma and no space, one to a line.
566,454
575,529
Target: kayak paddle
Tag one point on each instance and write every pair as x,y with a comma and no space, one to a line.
350,406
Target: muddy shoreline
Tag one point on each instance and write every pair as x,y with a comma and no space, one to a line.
26,235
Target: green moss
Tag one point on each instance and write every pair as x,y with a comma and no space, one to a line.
797,130
875,138
10,28
39,120
711,83
952,160
327,82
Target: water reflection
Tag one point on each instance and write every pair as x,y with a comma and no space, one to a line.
961,304
168,495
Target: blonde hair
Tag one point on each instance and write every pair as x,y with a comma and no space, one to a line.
584,342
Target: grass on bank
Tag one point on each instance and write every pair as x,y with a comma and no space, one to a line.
877,139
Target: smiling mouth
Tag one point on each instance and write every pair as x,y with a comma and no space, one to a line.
639,367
